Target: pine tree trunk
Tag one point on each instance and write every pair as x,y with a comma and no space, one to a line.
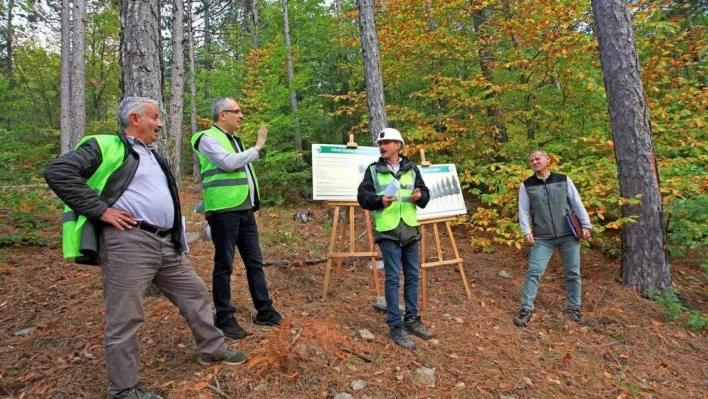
338,9
494,111
254,20
177,89
78,73
65,84
196,176
9,38
644,261
372,69
140,56
207,50
291,75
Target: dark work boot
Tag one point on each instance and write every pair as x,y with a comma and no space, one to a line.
399,335
574,314
229,326
269,317
415,327
523,318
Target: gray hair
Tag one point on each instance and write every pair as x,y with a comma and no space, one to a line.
132,105
219,105
544,153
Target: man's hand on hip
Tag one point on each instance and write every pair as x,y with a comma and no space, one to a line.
121,220
262,136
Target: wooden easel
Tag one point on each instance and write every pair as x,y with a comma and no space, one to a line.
440,262
349,224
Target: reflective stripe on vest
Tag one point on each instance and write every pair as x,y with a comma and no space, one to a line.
388,218
112,154
222,189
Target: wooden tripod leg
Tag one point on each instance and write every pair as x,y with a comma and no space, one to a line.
424,303
457,256
332,239
338,261
369,233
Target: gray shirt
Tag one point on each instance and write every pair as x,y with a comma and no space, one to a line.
148,196
217,154
573,198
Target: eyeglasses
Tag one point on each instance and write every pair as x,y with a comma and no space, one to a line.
233,111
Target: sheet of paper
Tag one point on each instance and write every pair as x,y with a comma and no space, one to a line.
392,188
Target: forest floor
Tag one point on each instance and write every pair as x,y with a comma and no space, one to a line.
51,329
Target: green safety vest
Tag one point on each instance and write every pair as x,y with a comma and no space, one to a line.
222,190
74,225
388,218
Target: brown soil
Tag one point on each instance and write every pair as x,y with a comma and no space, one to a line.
628,349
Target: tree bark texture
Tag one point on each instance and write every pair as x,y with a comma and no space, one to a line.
140,58
78,73
372,68
291,84
256,42
177,90
494,111
9,38
644,261
65,84
196,176
207,50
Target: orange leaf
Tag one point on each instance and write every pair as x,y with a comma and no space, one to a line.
656,322
294,377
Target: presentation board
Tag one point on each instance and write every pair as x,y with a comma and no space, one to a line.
337,172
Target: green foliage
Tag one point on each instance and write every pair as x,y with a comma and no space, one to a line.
283,179
25,154
674,308
688,224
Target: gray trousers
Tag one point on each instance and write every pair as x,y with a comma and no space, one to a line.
129,261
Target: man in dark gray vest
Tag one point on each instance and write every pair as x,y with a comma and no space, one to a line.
544,201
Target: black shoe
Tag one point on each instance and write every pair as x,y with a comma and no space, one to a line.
401,338
415,327
229,326
139,391
523,318
574,314
268,317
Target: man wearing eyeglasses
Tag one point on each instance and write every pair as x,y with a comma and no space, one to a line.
231,197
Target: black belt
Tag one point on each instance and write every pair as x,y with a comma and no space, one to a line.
153,229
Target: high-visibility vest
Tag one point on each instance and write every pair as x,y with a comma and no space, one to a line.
402,208
222,190
112,155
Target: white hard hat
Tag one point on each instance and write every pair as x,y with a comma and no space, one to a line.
390,134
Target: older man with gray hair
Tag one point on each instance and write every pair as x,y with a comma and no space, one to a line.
123,213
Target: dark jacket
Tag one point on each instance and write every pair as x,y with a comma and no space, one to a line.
68,174
369,200
548,204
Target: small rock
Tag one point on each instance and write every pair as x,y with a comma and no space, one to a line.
527,383
435,341
504,274
506,397
366,334
343,395
454,356
424,377
193,236
379,265
571,382
460,385
446,316
24,331
357,385
459,320
260,387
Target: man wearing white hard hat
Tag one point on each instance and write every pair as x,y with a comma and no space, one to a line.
392,187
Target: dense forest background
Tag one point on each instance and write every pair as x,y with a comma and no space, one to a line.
478,84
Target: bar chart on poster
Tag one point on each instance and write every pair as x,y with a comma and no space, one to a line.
337,172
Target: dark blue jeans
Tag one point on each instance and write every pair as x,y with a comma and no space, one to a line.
230,230
396,257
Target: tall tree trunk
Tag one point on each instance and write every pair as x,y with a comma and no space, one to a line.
140,55
207,49
65,84
506,8
291,84
9,38
644,261
196,176
494,111
254,20
177,89
338,9
78,73
372,69
431,22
